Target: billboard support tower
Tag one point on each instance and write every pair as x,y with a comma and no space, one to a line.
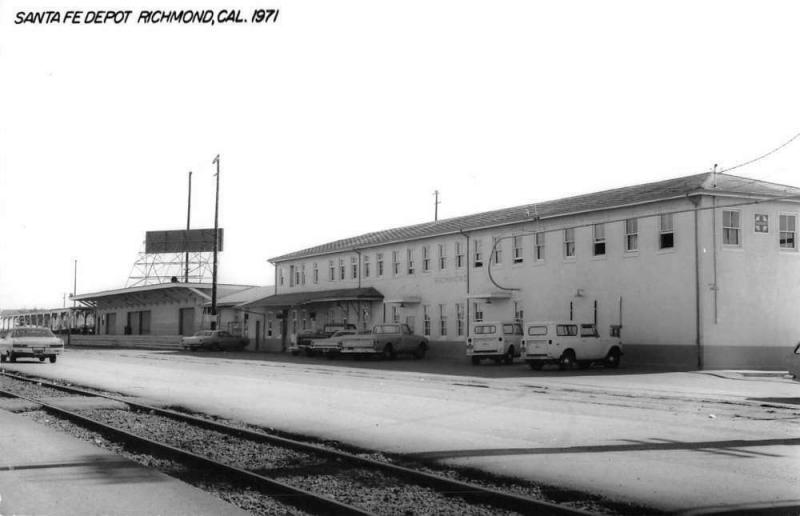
163,259
188,220
216,240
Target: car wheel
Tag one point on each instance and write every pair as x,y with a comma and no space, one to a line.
567,360
536,365
420,351
509,357
12,357
41,359
52,359
388,352
476,360
612,359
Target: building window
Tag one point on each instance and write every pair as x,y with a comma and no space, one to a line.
498,250
426,258
303,274
294,322
396,262
315,273
353,267
331,271
730,228
761,223
599,240
379,263
460,319
426,320
331,316
410,260
459,255
269,324
538,250
442,257
303,321
788,231
519,313
666,232
443,320
292,280
478,253
365,258
517,240
569,242
476,309
342,269
395,314
632,235
280,276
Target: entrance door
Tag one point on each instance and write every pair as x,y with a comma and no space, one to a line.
111,323
258,335
186,322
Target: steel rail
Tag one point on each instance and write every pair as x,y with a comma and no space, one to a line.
282,492
472,492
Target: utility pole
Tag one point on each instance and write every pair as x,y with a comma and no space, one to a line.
74,290
188,219
216,245
436,204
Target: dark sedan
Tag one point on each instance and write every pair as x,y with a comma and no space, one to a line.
215,340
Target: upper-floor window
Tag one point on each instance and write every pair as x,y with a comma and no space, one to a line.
478,253
331,271
303,274
666,232
366,261
788,232
442,257
342,269
315,273
538,249
292,280
632,234
379,263
396,262
353,267
410,260
599,240
498,250
731,228
280,276
459,255
569,242
426,258
517,241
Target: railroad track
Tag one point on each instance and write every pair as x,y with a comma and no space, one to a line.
306,476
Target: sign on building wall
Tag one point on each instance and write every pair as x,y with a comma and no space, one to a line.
762,223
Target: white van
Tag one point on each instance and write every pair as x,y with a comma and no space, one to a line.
568,344
497,340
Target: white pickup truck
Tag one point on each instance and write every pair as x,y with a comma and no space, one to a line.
568,344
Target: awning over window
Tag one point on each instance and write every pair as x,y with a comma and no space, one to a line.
498,295
320,296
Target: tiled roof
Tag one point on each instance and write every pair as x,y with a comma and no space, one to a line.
245,296
719,184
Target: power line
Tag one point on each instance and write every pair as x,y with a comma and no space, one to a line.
773,151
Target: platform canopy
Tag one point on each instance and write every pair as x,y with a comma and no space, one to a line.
319,296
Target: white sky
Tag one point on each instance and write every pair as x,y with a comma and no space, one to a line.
344,117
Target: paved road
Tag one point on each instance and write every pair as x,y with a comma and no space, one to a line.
673,441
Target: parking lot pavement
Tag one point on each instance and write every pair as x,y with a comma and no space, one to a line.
673,441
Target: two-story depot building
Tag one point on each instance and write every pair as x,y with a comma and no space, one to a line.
699,271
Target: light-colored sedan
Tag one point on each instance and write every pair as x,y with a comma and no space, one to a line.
30,342
331,346
215,340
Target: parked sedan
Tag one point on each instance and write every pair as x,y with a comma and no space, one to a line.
30,342
217,340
